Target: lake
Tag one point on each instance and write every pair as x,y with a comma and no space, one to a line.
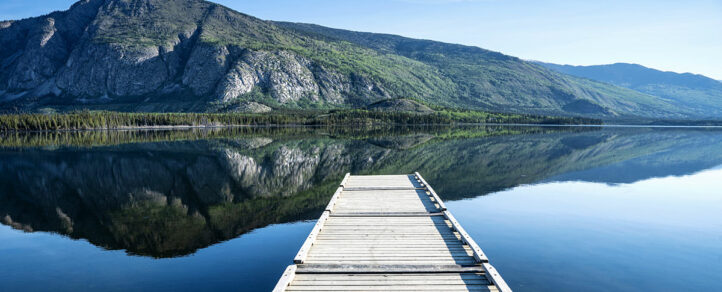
554,208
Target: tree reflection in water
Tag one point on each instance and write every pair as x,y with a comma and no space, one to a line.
169,193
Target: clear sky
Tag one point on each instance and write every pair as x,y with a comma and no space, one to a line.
681,36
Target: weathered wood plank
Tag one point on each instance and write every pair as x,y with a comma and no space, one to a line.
404,244
385,214
393,240
391,219
379,255
398,262
420,252
367,233
459,288
380,269
382,238
433,241
382,277
434,246
387,282
385,230
461,256
382,182
375,220
447,288
389,235
374,251
392,249
399,211
391,188
387,224
408,219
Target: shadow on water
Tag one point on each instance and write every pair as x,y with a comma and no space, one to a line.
169,193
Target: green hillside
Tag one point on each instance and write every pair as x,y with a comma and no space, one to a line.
700,94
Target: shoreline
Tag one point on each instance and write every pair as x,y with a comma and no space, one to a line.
212,127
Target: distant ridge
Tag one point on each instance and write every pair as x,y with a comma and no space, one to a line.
698,92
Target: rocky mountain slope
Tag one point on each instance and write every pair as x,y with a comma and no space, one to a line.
700,93
192,55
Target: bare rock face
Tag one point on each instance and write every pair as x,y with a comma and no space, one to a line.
241,79
120,51
333,86
290,79
285,75
38,63
34,50
102,70
206,65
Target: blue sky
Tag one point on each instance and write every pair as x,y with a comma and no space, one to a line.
681,36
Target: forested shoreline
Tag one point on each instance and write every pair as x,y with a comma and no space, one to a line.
88,120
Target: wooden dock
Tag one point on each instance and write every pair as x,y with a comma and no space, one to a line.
389,233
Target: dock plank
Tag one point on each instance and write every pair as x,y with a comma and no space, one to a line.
389,233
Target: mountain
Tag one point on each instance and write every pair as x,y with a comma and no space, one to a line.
192,55
701,94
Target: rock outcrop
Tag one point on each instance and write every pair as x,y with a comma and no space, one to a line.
87,56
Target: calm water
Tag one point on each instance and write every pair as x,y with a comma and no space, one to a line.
555,209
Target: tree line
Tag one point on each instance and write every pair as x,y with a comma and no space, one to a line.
85,120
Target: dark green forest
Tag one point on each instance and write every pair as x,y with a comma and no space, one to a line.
86,120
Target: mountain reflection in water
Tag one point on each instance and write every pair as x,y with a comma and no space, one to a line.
169,193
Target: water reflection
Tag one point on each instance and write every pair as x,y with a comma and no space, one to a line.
656,234
169,193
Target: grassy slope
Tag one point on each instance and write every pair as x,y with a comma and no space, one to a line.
495,81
